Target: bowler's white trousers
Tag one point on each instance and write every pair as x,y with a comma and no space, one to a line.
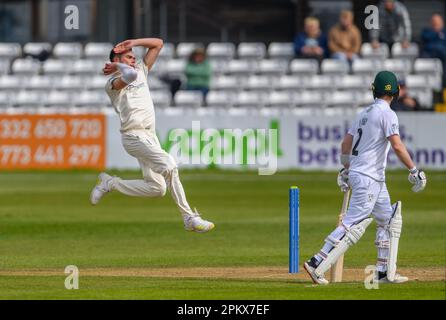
158,167
368,197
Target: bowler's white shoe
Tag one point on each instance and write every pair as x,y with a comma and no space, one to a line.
100,189
382,278
195,223
310,266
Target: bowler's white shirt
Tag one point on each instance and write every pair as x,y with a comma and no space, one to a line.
133,103
372,127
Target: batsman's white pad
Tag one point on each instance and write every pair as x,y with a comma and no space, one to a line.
351,237
395,226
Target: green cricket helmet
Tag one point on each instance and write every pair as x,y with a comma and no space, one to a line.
385,83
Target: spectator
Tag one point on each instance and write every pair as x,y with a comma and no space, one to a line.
312,43
344,39
434,42
394,25
404,101
198,72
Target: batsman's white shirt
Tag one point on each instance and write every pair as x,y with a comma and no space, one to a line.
370,131
133,103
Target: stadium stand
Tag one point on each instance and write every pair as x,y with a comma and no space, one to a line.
245,76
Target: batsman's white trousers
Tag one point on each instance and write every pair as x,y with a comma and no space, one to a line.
158,167
368,197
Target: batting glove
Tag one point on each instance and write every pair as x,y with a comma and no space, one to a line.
418,179
343,180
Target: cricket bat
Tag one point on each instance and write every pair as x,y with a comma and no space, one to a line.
338,267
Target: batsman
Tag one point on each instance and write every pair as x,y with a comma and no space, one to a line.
364,156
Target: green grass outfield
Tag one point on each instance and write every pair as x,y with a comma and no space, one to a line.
47,223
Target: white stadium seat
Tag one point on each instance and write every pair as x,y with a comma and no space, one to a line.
364,98
10,82
27,98
167,52
161,98
432,68
334,66
67,50
417,81
345,99
219,66
410,52
71,83
155,83
251,99
221,50
225,83
55,66
98,50
96,82
366,66
4,66
242,67
347,82
281,50
26,66
280,99
424,96
10,50
175,67
188,98
273,67
159,67
401,67
87,67
289,82
38,82
320,82
6,99
367,51
184,49
304,66
34,48
258,83
220,99
309,98
58,99
428,65
91,99
251,50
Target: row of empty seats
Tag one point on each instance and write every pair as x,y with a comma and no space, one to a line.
215,50
221,82
195,99
431,68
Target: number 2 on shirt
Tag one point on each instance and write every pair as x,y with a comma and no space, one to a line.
354,151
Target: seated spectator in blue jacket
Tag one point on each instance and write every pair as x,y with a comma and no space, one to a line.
312,43
434,42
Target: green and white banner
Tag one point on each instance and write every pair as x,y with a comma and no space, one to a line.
266,142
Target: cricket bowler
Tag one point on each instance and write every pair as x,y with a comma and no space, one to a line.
130,96
364,156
